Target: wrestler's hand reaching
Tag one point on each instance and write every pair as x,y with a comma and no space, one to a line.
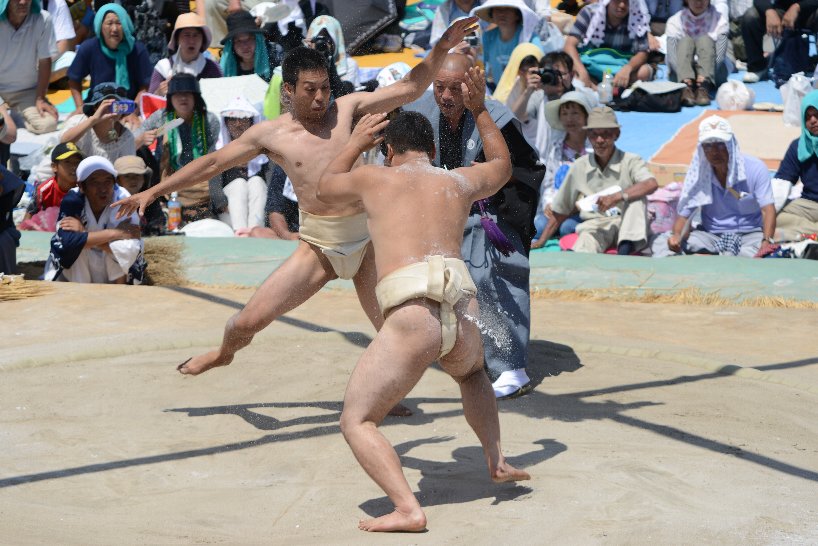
368,133
456,32
473,88
137,202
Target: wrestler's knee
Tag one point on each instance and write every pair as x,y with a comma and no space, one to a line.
461,371
351,422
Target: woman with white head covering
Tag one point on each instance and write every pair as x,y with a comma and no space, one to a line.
515,23
621,25
244,185
447,13
325,32
733,192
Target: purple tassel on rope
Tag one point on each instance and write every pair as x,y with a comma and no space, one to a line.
493,232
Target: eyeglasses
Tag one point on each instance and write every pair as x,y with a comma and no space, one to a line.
607,134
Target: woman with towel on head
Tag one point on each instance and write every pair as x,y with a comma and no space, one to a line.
113,55
246,50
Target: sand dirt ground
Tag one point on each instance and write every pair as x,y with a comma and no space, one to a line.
650,424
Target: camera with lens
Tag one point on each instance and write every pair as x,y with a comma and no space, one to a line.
324,45
549,76
472,39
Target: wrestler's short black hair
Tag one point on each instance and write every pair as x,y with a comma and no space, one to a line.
410,131
301,58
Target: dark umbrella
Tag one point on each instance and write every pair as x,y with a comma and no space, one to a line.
362,19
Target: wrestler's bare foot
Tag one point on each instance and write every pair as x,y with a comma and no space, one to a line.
202,363
400,411
413,522
507,473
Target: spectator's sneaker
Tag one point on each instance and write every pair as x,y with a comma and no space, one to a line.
754,77
740,65
688,98
702,96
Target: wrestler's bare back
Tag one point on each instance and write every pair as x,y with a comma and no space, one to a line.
415,210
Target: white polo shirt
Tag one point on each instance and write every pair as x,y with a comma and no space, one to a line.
22,49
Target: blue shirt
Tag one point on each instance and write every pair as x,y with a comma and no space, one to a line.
90,60
729,213
497,53
791,170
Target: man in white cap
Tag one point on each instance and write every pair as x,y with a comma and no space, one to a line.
610,188
91,245
734,194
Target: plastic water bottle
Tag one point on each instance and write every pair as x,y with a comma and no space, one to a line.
174,212
605,88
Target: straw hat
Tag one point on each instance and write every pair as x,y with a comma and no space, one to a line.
190,20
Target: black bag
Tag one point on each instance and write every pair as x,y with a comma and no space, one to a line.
790,57
651,97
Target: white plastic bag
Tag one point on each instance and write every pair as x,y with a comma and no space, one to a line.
793,93
734,95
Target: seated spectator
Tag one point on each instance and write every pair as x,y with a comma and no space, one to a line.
661,12
801,163
696,45
8,129
618,219
244,185
91,245
98,131
27,44
281,210
325,35
735,197
772,18
567,116
11,190
65,158
113,55
246,51
189,41
134,176
515,23
521,79
613,24
447,13
195,137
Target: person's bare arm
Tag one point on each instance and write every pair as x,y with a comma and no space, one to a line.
237,152
633,193
677,234
571,47
520,106
622,78
554,222
43,78
8,123
486,178
412,86
767,227
337,183
101,238
76,94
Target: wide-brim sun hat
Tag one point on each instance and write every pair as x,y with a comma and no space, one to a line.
552,108
602,117
131,164
190,20
484,10
100,92
92,164
240,22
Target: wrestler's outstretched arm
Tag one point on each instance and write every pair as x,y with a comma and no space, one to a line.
337,184
237,152
486,178
412,86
